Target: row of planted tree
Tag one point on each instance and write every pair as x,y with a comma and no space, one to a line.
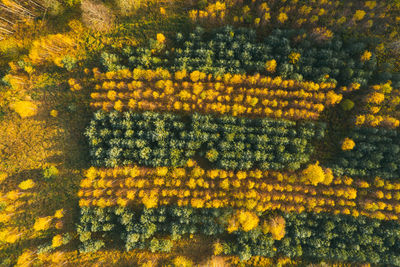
314,190
309,235
227,94
165,139
286,53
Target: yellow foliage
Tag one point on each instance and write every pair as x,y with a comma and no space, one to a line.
217,248
9,235
180,75
150,200
246,219
241,175
42,224
360,119
282,17
195,76
25,108
118,105
161,171
56,241
134,172
51,48
160,38
366,56
375,98
313,174
197,203
162,11
182,261
328,176
111,95
333,98
294,57
54,113
348,144
25,259
190,163
275,226
13,195
370,4
57,257
27,184
91,173
224,184
59,213
3,176
359,15
233,225
26,144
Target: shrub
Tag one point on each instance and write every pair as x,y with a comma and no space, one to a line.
50,172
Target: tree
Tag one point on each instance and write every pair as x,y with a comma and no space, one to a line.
25,108
27,184
42,224
313,174
347,144
57,241
275,226
97,16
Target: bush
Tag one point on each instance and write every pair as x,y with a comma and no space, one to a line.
50,172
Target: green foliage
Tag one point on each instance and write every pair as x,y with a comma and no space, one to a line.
313,236
154,139
239,143
110,61
341,238
238,51
72,3
69,62
347,105
50,172
150,139
376,153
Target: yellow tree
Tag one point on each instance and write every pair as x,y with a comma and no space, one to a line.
25,108
275,226
42,224
313,174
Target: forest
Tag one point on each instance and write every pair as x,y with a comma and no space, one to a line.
199,133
